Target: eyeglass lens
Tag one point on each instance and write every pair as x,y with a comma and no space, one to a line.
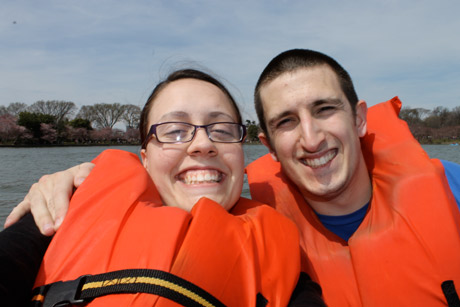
184,132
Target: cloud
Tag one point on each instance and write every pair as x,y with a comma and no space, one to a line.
114,51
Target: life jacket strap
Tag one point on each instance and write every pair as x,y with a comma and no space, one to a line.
88,287
450,293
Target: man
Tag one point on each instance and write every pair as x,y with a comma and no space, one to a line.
379,224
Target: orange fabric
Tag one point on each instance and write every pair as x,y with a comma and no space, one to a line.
116,221
407,244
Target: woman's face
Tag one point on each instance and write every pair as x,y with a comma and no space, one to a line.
183,173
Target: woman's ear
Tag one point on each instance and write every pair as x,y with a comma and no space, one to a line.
144,158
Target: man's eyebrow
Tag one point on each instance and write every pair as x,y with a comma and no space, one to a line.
335,101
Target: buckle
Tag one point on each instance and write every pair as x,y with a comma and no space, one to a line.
62,293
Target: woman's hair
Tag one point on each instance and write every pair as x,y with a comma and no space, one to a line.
178,75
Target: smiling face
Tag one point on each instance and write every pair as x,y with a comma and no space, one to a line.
314,134
183,173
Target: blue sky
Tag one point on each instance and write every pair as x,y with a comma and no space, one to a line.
116,51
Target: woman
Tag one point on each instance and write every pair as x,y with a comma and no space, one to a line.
174,238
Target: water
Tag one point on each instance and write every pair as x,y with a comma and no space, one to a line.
21,167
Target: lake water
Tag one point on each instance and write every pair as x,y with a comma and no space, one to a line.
21,167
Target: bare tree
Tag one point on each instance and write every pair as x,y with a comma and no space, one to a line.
131,116
86,112
106,115
15,108
59,109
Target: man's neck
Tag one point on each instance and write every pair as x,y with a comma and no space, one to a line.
351,198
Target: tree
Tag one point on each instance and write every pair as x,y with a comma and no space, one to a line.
48,133
81,123
59,109
32,122
454,118
102,135
86,112
15,108
9,129
78,135
252,131
131,116
132,135
106,115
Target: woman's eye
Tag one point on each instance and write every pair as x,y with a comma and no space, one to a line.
176,132
221,131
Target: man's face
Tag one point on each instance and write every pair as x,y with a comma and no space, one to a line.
314,134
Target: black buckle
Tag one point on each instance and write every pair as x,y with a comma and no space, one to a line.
62,293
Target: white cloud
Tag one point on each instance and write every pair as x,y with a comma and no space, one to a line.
115,51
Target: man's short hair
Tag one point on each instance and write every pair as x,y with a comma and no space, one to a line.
292,60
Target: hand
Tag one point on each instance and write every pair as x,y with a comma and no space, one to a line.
48,199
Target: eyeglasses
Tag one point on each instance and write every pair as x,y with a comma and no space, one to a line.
180,132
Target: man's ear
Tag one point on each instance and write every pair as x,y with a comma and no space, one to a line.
263,138
144,158
361,118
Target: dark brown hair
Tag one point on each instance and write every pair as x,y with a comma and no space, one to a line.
174,76
292,60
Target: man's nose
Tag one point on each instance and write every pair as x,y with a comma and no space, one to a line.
312,134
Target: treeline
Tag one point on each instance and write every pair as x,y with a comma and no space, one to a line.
55,122
438,126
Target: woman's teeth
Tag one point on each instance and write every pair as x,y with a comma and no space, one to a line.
201,176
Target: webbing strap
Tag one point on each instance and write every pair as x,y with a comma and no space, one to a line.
450,293
86,288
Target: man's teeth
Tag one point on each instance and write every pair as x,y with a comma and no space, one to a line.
318,162
201,176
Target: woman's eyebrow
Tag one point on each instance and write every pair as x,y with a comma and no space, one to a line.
175,115
218,114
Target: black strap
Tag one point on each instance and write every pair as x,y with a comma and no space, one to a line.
88,287
450,293
261,301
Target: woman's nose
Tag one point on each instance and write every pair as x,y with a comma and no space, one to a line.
201,144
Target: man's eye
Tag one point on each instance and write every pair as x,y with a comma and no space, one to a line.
326,109
284,122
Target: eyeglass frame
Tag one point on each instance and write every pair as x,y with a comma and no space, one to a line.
153,128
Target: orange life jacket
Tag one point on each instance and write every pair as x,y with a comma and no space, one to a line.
408,243
116,221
